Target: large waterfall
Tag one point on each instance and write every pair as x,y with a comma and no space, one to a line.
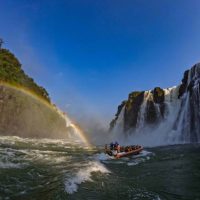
161,116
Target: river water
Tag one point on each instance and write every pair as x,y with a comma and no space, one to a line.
58,169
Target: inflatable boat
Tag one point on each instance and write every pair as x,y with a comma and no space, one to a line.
124,151
134,151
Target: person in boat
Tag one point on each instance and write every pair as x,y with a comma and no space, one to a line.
111,146
113,149
122,148
118,148
116,144
114,152
107,150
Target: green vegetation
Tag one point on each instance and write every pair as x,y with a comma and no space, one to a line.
1,42
158,95
11,72
134,96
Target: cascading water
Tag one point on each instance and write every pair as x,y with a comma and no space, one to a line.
74,132
163,116
141,118
188,121
118,128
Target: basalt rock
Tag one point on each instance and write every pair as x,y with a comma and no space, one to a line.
151,114
132,108
183,85
119,109
158,95
159,98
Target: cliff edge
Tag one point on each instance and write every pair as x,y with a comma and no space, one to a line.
25,107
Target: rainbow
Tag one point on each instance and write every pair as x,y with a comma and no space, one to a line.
79,132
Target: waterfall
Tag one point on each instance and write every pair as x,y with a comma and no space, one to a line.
142,112
119,126
174,118
188,121
74,131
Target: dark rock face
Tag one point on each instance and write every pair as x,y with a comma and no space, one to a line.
132,109
113,122
183,85
158,95
151,114
159,98
193,104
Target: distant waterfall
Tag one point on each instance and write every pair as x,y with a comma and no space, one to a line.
188,120
162,116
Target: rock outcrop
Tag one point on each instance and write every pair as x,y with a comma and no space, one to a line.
24,115
132,109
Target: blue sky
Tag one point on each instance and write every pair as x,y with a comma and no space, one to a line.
89,54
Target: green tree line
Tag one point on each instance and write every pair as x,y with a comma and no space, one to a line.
11,72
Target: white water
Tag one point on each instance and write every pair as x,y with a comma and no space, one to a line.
146,135
83,175
129,161
74,133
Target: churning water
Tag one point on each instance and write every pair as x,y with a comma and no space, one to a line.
59,169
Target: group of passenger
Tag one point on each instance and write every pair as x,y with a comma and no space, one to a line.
131,148
115,148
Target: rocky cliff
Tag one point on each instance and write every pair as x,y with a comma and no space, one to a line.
25,115
174,112
25,108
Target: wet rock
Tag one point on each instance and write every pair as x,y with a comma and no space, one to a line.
119,109
158,95
151,115
132,109
25,116
183,85
159,98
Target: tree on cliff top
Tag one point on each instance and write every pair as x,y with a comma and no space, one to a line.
1,42
11,72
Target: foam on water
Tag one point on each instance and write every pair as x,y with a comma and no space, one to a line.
66,143
130,161
12,156
102,157
143,153
9,165
83,175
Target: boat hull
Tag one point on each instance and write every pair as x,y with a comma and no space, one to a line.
129,153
